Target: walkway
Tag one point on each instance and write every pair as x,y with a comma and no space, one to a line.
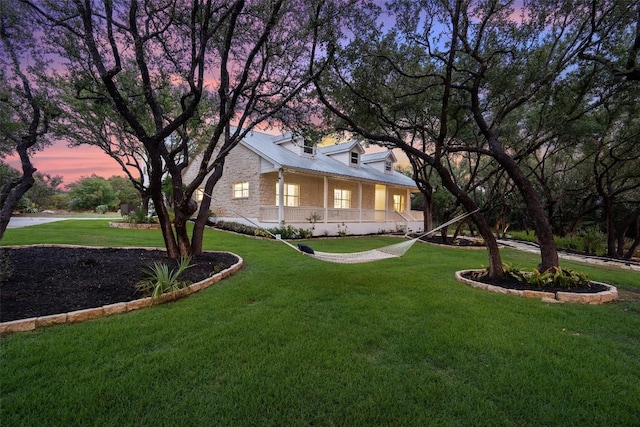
533,248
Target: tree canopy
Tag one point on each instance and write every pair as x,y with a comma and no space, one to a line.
511,83
169,79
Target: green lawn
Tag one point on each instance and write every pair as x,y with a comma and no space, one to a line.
289,340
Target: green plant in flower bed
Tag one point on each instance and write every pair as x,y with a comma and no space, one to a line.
237,227
289,232
553,278
140,216
160,279
286,232
557,278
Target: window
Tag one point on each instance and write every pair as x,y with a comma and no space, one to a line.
341,199
398,203
199,194
291,195
355,158
308,148
241,190
388,166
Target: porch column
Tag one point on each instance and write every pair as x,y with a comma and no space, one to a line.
326,198
359,202
386,203
407,201
281,196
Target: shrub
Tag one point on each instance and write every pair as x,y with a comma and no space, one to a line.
569,242
554,278
592,240
237,228
286,232
140,216
25,205
101,209
160,279
289,232
557,278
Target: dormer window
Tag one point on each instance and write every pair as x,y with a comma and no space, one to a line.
355,158
388,166
308,148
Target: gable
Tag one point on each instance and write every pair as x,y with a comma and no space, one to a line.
383,161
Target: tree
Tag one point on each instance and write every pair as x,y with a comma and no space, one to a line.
124,190
87,118
153,63
44,188
614,157
615,46
25,110
500,74
90,192
383,87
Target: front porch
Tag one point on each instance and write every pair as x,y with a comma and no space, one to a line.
332,221
319,214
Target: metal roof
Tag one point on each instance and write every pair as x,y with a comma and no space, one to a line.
378,157
264,145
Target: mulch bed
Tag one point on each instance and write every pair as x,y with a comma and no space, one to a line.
458,241
510,283
52,280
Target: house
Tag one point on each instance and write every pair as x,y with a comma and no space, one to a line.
271,181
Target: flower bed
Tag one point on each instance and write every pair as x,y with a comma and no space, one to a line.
610,293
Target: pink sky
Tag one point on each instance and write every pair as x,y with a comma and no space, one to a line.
71,163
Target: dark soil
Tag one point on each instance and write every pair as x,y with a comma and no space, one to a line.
458,241
510,283
54,280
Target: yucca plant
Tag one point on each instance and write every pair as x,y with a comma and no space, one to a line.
160,279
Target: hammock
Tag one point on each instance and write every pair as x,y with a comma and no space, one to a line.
392,251
395,250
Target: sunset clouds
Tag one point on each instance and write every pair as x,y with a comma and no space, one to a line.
71,163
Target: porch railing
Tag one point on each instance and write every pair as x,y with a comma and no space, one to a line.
302,214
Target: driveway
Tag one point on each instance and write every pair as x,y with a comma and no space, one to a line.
26,221
19,221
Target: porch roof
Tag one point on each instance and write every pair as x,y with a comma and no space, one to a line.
280,157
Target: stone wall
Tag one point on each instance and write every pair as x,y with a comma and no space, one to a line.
241,166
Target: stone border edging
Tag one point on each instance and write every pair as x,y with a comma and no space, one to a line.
610,294
128,225
33,323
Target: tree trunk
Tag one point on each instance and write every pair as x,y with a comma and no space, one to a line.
16,190
12,199
495,260
183,213
548,251
444,235
611,230
633,248
631,220
155,190
197,238
636,241
427,211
